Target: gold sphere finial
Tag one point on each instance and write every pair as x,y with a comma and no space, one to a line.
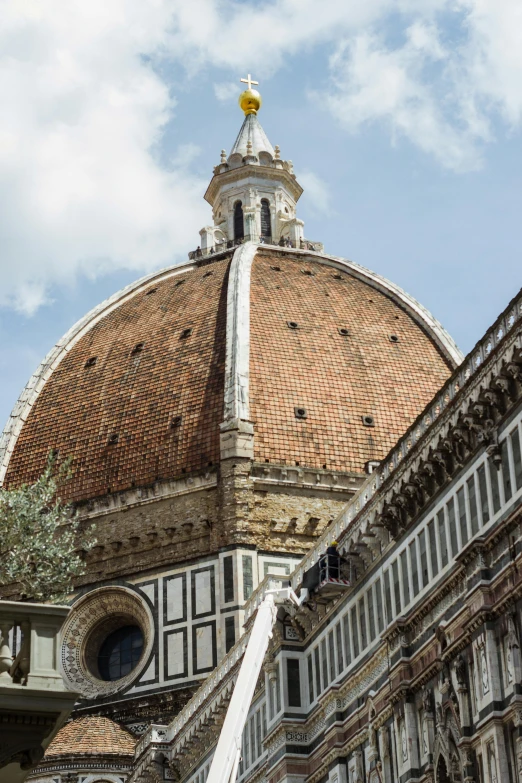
250,100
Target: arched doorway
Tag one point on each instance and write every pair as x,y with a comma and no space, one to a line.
239,222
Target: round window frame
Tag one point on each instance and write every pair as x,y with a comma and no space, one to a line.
92,618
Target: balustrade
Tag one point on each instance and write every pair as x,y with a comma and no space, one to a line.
30,684
29,648
303,244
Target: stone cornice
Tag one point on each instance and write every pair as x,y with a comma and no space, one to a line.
271,476
141,496
230,176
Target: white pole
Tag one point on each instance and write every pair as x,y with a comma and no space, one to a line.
233,775
229,744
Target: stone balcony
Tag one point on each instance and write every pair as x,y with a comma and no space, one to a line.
34,702
304,244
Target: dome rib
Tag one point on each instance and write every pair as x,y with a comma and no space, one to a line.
235,403
237,366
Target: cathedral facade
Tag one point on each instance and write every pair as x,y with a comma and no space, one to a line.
226,419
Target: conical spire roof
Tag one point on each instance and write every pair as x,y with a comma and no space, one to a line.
252,131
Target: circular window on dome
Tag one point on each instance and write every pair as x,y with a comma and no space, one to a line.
120,653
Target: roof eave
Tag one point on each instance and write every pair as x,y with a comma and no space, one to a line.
243,171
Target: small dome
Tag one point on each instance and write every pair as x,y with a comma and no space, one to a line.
92,736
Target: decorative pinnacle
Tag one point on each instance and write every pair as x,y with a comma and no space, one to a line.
277,151
250,100
223,156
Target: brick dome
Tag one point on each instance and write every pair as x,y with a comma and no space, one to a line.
324,361
91,735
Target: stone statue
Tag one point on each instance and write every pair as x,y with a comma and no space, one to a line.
427,700
460,670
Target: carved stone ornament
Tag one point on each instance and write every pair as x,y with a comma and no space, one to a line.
484,672
492,763
384,742
91,619
358,771
425,736
404,742
512,634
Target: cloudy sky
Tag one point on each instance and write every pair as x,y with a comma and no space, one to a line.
403,120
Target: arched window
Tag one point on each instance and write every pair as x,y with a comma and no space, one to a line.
239,223
266,225
120,652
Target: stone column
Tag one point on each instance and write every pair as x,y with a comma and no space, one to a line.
500,753
207,239
517,720
428,725
407,739
463,695
488,675
338,773
296,231
385,754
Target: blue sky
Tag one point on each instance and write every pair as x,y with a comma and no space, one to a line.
403,126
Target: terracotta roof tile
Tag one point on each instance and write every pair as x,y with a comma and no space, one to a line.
91,735
133,396
337,378
139,414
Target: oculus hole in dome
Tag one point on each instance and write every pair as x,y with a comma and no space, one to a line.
120,652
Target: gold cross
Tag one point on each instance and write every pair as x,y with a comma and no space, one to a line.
249,81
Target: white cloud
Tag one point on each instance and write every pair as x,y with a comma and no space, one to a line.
316,192
83,111
82,184
492,56
374,83
226,91
443,87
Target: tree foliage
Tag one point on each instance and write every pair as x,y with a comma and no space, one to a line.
42,545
